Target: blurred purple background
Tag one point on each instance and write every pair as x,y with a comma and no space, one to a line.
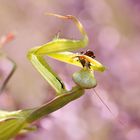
113,28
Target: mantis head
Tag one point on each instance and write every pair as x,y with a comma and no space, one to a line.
85,78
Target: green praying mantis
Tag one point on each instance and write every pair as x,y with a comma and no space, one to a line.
11,123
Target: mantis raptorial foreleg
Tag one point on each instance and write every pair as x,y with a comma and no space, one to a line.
57,49
53,48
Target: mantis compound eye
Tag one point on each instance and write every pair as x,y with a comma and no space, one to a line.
85,79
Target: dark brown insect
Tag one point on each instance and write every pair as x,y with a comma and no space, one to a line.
89,53
84,61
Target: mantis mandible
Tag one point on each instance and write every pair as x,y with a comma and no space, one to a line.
84,79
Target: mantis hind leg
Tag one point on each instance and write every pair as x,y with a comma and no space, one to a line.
9,75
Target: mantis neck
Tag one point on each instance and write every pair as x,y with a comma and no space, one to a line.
55,104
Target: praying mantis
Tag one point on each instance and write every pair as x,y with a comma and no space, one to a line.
11,123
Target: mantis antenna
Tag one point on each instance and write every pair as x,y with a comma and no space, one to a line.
103,101
120,121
